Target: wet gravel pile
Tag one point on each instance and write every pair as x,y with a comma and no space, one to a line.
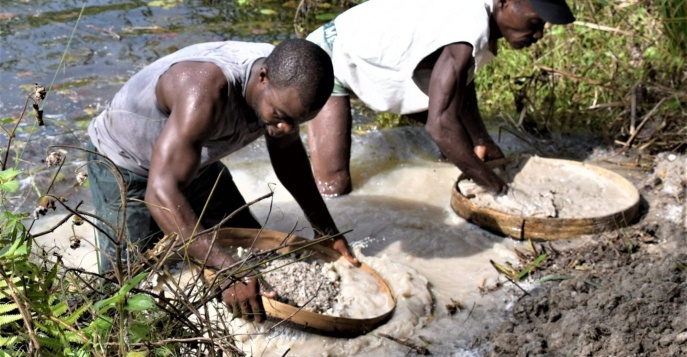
311,284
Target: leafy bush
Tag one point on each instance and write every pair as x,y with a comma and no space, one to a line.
612,73
619,72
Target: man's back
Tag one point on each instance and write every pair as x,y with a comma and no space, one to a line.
379,44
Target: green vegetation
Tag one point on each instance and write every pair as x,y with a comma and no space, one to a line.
614,72
619,72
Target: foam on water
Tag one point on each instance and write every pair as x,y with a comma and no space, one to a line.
403,227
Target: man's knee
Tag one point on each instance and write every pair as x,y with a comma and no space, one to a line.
333,184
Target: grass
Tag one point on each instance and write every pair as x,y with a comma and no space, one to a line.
620,64
619,71
604,74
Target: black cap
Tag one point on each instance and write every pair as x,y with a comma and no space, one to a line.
556,12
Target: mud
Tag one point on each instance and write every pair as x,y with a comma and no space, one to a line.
618,294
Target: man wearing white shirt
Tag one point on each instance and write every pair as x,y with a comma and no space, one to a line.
418,58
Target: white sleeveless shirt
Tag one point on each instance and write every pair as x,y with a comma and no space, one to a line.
127,130
379,44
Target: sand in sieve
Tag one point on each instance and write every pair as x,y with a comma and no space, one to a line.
550,188
330,288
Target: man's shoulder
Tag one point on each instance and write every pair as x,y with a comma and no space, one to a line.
430,8
384,20
229,46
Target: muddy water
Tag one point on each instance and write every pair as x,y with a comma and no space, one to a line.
402,226
399,212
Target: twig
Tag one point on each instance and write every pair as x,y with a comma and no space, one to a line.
523,138
633,110
80,214
81,335
470,312
417,349
648,115
606,105
11,134
178,315
575,78
59,168
206,340
119,177
297,16
227,218
61,222
66,49
516,284
603,28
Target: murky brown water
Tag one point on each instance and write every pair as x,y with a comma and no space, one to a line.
399,213
402,226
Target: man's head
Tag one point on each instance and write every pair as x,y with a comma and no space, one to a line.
521,22
298,79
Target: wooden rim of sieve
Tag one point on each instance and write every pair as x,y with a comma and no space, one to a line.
546,228
300,318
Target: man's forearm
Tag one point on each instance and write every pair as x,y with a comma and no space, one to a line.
455,143
292,167
181,219
471,119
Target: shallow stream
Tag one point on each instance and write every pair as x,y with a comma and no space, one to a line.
402,226
399,215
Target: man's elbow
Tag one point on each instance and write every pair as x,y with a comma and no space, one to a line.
157,190
153,194
437,133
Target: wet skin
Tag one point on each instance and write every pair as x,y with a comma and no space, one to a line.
452,119
195,95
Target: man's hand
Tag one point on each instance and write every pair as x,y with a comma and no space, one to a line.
341,245
243,298
488,152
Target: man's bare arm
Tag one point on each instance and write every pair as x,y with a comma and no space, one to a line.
446,97
484,145
194,93
291,164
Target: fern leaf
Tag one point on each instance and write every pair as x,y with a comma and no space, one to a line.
45,326
55,331
81,353
6,319
5,308
75,338
59,309
9,341
49,327
54,344
71,319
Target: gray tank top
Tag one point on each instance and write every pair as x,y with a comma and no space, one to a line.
131,123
